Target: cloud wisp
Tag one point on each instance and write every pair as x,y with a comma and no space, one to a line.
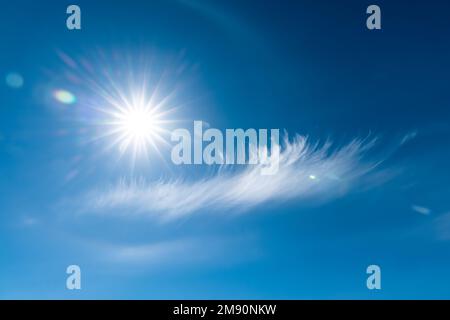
307,172
421,209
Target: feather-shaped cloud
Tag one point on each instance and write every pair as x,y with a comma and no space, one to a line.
306,171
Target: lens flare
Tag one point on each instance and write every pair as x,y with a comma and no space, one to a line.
64,96
14,80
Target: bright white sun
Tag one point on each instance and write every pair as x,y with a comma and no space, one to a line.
135,122
138,125
136,128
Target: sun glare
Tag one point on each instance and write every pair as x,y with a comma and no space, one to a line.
135,124
138,124
137,128
126,107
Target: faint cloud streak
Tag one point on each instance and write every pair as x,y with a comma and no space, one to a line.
335,172
421,210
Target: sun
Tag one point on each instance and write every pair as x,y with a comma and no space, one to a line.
138,125
135,122
127,103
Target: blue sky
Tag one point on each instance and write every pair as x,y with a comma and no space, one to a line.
146,229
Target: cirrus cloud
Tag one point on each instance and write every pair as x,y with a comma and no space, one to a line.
306,172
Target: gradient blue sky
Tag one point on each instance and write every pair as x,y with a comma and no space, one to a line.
310,67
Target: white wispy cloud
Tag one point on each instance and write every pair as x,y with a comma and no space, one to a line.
442,226
199,250
408,137
421,209
306,172
154,252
